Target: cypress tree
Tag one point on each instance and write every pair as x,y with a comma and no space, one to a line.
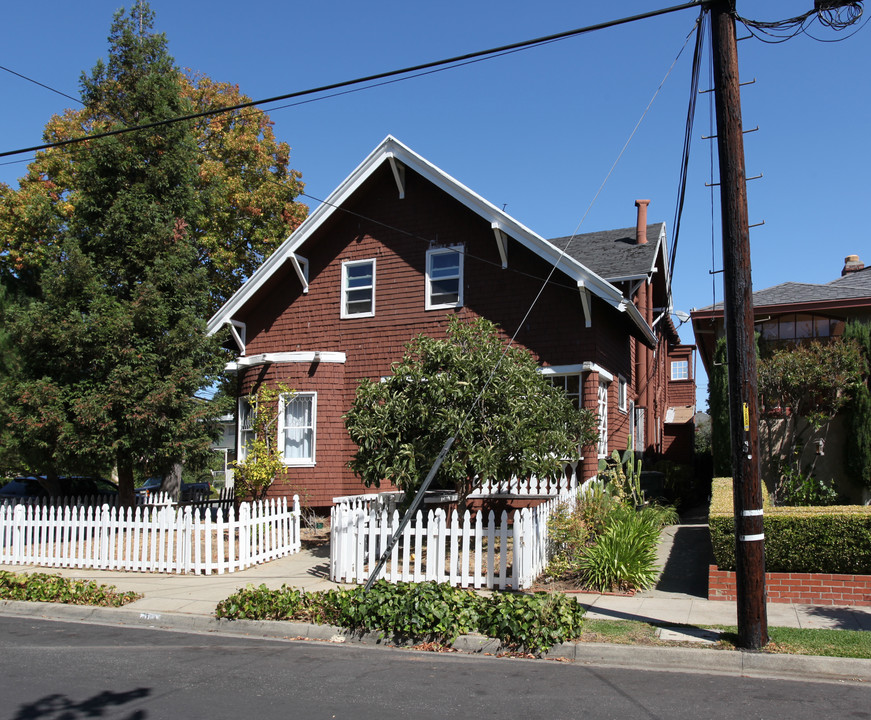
114,345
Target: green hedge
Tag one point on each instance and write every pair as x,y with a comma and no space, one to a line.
834,539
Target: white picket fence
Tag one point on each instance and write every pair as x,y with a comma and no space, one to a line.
477,551
149,539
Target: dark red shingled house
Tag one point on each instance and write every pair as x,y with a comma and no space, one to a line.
400,246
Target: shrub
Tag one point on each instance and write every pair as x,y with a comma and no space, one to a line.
428,611
624,557
797,539
534,623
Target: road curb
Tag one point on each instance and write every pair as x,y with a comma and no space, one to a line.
640,657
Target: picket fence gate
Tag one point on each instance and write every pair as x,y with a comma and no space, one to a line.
149,539
477,551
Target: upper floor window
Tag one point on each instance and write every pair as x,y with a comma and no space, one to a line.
680,370
358,288
444,278
297,415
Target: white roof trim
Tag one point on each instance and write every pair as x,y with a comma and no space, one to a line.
286,357
392,149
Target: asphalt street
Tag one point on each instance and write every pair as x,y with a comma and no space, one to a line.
55,670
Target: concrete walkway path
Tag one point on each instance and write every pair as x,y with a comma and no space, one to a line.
680,596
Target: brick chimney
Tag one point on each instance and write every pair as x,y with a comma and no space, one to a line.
852,264
641,224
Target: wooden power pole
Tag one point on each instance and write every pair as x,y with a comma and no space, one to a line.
740,334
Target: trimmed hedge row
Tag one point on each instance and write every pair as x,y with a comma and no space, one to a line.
834,539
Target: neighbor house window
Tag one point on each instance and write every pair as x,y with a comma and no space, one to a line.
297,415
680,370
358,288
444,278
621,394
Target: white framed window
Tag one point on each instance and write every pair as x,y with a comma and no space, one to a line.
680,370
570,385
297,427
602,408
622,392
246,431
358,288
444,278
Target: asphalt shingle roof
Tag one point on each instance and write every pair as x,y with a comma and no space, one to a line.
613,253
852,286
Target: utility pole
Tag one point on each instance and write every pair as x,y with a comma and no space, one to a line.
740,334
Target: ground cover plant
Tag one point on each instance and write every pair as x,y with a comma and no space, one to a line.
429,611
41,587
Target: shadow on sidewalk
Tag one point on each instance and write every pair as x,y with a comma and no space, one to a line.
686,569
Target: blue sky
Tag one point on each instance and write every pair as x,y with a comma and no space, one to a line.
536,131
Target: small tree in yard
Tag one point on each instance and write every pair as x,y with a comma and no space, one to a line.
253,476
812,382
509,420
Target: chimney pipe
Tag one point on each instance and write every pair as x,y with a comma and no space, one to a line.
641,225
852,264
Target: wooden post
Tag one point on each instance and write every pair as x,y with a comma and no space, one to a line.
740,335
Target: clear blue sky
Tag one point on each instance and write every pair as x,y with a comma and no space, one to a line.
536,131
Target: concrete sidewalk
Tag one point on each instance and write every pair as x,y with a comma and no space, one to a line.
309,570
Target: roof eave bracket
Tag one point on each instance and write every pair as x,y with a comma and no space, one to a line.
585,304
301,273
501,244
398,175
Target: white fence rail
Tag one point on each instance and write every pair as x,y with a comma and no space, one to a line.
149,539
475,551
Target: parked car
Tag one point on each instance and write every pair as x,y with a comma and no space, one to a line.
151,485
69,486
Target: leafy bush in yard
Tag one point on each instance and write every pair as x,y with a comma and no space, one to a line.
40,587
429,611
532,622
606,544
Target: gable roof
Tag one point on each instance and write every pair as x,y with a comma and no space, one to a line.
392,151
614,254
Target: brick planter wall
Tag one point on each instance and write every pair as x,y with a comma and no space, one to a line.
804,588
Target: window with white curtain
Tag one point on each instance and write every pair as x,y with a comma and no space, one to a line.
297,428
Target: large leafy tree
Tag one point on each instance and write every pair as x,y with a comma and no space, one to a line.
111,329
508,419
246,190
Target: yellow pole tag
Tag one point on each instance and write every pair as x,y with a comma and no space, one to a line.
746,418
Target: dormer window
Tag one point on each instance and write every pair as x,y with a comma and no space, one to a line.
358,288
444,278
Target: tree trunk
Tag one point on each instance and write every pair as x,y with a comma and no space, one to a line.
126,492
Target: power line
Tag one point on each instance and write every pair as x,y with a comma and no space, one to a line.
42,85
457,60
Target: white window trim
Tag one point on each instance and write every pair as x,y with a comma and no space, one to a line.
241,446
602,392
298,462
343,313
622,394
460,252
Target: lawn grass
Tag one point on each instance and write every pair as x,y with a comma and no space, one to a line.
783,640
